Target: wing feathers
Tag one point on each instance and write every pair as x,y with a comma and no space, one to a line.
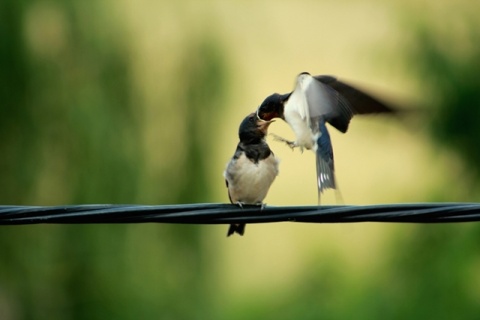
361,102
350,101
326,102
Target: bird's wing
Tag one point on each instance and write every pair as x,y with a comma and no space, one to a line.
312,100
228,190
344,101
324,101
316,103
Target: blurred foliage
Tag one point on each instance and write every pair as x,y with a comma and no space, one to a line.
72,128
436,277
446,57
71,132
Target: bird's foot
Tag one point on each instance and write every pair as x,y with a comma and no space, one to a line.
289,143
261,205
240,204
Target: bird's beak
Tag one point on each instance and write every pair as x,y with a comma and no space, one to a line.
263,125
267,116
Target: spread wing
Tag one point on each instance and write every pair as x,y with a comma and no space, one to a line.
325,102
312,100
345,101
335,101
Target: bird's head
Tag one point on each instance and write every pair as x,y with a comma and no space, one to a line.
272,106
252,129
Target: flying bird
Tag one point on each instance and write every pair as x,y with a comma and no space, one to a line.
252,169
315,101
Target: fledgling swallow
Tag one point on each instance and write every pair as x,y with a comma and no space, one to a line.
315,101
252,169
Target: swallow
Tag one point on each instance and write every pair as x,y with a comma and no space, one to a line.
252,169
315,101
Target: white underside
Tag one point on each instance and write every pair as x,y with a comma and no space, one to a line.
303,134
297,114
248,182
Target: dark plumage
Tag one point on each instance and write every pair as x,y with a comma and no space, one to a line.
252,169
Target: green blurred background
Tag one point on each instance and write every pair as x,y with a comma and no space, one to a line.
139,102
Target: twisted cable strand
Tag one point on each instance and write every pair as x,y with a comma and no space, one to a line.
218,213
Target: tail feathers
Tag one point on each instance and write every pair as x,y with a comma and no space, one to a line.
324,155
236,228
325,164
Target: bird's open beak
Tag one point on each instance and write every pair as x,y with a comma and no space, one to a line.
263,125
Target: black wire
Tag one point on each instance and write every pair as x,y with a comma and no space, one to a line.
212,213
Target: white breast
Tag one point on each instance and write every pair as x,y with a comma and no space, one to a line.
299,125
249,182
297,112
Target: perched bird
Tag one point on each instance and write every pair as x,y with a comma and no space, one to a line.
315,101
253,167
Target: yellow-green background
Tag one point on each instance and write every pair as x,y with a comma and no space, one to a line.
139,102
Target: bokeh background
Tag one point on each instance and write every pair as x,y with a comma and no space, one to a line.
139,102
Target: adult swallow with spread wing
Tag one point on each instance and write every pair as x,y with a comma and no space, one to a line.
253,167
315,101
